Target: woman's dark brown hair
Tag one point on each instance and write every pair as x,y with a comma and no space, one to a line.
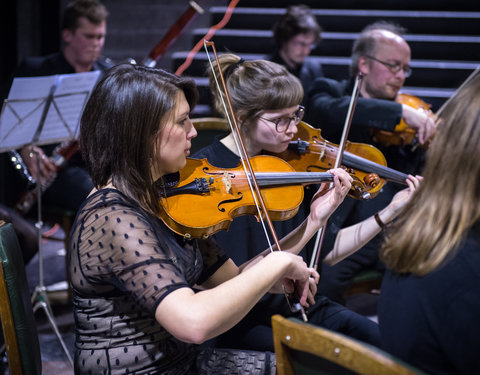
120,123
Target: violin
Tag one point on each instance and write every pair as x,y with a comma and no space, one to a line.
365,163
215,196
402,135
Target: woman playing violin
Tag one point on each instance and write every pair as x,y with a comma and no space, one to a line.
145,299
266,98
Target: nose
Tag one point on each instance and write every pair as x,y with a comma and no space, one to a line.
99,40
192,132
292,129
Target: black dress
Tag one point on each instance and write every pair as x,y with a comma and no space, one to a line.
123,263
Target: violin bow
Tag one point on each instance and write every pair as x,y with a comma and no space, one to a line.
172,34
338,161
258,198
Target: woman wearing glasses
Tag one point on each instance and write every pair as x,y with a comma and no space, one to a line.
266,98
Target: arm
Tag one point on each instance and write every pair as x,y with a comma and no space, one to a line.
328,103
324,203
352,238
196,317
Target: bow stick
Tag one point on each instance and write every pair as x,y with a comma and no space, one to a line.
338,161
258,198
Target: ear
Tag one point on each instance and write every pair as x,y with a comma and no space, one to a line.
363,65
67,35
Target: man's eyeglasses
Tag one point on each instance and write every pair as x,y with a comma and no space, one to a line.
394,68
298,43
282,123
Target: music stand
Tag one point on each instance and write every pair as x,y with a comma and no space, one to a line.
44,110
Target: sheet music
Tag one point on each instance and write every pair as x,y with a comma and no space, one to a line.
22,112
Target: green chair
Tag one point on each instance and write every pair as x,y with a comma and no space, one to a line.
304,349
18,321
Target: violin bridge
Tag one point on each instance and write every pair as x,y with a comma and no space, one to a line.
227,182
322,153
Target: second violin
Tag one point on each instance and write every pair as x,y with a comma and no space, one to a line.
365,163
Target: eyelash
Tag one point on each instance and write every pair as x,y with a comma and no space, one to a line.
182,122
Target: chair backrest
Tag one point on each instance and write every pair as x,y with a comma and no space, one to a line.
302,348
18,321
208,128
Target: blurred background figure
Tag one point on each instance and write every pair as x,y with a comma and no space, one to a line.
296,34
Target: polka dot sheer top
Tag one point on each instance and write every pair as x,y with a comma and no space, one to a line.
123,263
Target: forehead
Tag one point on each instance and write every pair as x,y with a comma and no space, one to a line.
390,45
181,105
281,112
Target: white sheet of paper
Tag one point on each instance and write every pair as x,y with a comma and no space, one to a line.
22,112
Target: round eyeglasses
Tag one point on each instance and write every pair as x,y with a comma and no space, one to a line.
394,68
282,123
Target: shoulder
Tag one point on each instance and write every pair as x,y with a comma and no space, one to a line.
103,64
313,64
43,65
218,155
324,84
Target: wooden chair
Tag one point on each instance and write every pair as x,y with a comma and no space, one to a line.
302,348
18,321
208,128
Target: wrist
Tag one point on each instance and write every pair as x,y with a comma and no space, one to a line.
381,223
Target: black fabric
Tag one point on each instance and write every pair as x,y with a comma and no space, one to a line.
123,262
19,294
327,106
244,240
431,322
307,73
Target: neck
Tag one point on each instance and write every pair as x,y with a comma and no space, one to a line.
229,142
287,61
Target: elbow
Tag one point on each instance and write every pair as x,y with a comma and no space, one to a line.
193,330
196,335
329,261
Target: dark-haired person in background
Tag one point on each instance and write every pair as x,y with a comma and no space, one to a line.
296,34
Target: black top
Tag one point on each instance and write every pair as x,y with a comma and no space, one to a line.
123,262
307,72
54,64
432,321
327,106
